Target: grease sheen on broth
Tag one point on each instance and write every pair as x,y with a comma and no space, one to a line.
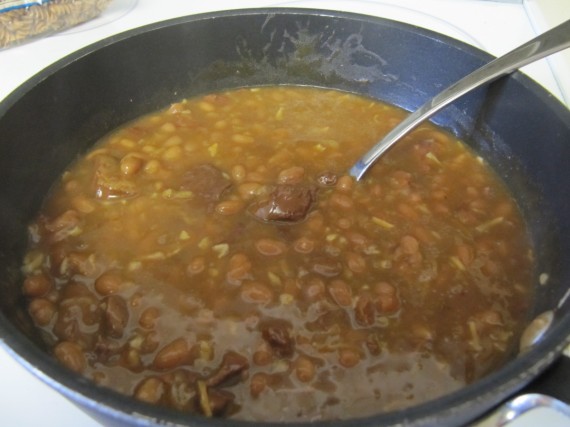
215,258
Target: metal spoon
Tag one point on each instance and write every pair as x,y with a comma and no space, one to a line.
546,44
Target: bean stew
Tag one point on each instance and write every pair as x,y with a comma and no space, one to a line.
216,258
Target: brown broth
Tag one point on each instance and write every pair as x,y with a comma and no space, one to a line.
149,272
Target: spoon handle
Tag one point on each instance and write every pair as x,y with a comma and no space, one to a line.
545,44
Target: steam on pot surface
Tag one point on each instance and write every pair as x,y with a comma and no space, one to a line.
216,258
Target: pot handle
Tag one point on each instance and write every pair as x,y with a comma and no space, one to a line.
511,412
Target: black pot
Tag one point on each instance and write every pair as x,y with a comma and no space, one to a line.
58,114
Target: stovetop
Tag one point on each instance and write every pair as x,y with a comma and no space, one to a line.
495,26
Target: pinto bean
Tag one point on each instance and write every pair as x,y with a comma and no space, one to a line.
340,292
305,369
196,266
116,316
342,201
70,355
357,239
239,261
42,311
130,165
249,190
131,359
239,269
37,285
270,247
277,335
422,332
387,303
263,356
83,204
258,383
316,222
304,245
150,342
152,167
326,266
172,355
465,254
172,154
148,317
348,357
150,390
401,179
78,316
408,212
409,245
364,310
490,318
229,207
345,184
292,175
491,268
256,292
109,283
315,289
376,190
355,262
386,297
238,173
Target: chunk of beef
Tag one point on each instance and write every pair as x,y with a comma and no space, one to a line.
232,366
220,401
108,181
206,181
287,203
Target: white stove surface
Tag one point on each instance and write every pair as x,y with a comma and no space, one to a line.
494,26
